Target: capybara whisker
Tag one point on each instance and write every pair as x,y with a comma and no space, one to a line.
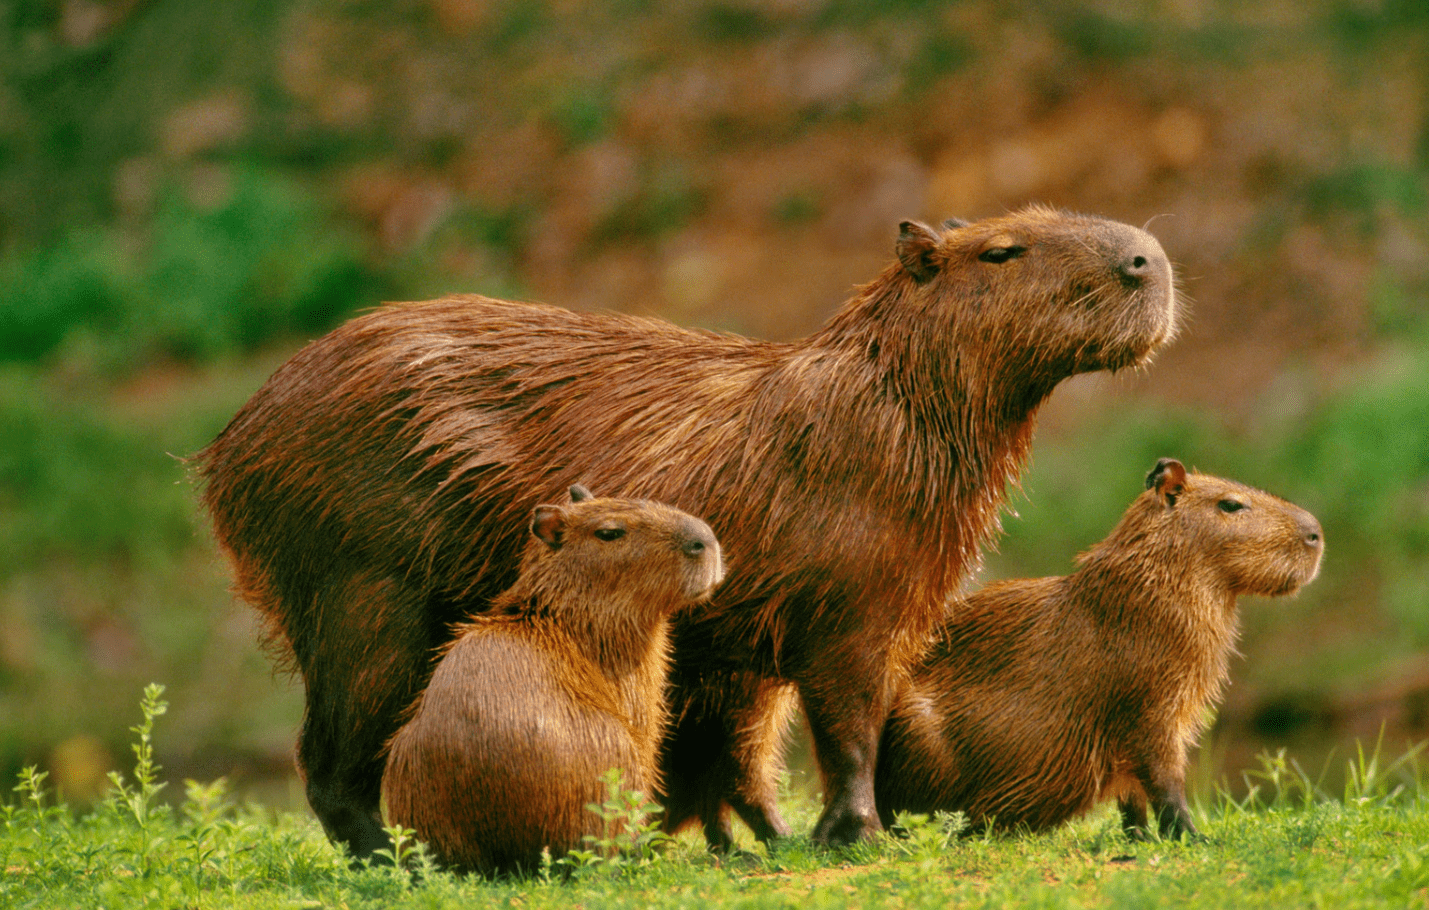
1044,696
373,490
562,680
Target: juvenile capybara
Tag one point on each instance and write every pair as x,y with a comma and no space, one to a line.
561,681
1044,696
368,493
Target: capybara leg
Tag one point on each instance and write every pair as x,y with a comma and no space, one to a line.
349,818
845,726
718,758
1166,801
761,729
691,754
368,658
1133,817
1172,815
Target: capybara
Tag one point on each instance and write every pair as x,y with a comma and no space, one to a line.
1043,696
369,492
562,680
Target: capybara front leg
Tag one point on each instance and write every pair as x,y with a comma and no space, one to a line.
1173,817
845,726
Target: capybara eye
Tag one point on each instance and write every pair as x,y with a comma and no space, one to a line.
1000,254
609,533
1230,505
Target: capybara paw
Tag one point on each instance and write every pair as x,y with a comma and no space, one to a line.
842,829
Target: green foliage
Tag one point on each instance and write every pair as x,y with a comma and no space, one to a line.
134,851
1096,35
139,799
632,837
1364,459
77,482
209,281
725,22
939,55
1364,190
583,113
667,199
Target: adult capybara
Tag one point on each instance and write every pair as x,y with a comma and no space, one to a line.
1044,696
369,493
561,681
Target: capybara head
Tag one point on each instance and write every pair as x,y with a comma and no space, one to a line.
1240,539
1101,293
638,555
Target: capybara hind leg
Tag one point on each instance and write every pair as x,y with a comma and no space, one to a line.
845,727
1133,816
1166,800
717,759
696,745
759,758
366,661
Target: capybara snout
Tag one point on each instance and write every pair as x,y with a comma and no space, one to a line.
562,682
1258,543
612,549
1044,696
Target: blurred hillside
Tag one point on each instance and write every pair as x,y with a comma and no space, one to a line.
188,190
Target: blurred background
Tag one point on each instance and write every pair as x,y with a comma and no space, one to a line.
190,190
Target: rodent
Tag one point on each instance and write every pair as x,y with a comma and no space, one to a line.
371,490
1042,697
560,682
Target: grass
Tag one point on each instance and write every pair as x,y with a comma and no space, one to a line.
1286,843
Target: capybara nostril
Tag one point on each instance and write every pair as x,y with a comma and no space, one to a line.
533,703
1142,263
368,493
1012,716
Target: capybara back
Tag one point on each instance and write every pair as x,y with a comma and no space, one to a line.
562,681
1043,696
378,481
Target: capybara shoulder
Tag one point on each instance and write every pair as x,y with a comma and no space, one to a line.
374,490
561,682
1044,696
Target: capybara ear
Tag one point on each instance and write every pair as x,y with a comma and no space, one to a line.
549,524
1168,479
915,246
580,493
953,224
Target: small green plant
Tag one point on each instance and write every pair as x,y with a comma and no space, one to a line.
631,835
139,799
925,839
1368,780
1283,780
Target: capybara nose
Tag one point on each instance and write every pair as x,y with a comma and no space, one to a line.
1143,260
1310,530
693,548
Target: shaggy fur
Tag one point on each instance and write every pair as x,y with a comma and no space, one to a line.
370,492
1045,696
562,681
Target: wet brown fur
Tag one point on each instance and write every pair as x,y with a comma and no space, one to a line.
563,680
1044,696
369,493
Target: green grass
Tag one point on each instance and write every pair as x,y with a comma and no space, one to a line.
1287,843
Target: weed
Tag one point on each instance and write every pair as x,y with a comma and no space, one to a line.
632,837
